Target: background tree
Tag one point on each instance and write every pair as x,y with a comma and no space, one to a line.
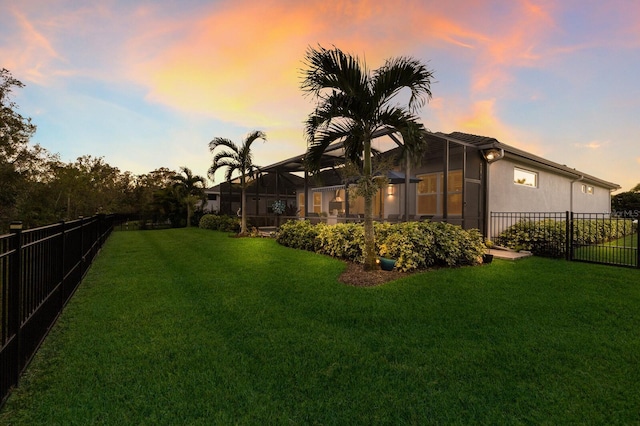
15,155
627,204
351,104
236,159
190,190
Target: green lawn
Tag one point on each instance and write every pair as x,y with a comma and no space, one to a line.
193,327
623,251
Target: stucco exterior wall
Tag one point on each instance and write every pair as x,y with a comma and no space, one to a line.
553,193
395,204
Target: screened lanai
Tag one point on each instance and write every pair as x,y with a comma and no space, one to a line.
446,184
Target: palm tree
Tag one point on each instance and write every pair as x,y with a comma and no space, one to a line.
236,158
353,103
190,189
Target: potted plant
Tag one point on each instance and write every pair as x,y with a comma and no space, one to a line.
387,264
487,257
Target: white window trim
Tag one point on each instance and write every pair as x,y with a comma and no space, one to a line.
536,174
588,189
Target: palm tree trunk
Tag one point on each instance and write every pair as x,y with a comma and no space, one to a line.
369,237
243,212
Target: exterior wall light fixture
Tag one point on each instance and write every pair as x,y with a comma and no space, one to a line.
390,190
493,154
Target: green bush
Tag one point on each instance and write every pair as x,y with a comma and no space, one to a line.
548,237
299,234
410,243
414,245
344,241
543,238
220,223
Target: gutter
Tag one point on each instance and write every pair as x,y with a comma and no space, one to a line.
580,179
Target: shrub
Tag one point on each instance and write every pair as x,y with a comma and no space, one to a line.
299,234
454,246
344,241
543,238
220,223
414,245
548,237
406,242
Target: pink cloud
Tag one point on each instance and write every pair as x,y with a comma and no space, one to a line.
32,53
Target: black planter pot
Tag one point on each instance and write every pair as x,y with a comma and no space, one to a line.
487,258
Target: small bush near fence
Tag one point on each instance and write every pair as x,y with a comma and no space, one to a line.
547,237
220,223
414,245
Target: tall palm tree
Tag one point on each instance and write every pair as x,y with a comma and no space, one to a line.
236,158
190,190
353,103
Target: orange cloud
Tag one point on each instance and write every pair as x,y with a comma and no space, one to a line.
482,120
241,61
232,63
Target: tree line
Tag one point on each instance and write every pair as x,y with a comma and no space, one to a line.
37,188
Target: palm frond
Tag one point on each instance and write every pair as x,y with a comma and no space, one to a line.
220,163
333,69
412,131
403,72
216,142
235,158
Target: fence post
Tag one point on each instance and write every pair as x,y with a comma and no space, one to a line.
82,258
63,270
568,235
15,297
638,244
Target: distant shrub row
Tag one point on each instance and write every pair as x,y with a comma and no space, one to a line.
548,237
220,223
414,245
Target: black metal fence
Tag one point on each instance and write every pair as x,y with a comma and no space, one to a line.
39,271
585,237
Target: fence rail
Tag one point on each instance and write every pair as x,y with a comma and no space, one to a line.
39,271
583,237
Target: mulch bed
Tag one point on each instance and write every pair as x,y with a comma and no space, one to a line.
355,275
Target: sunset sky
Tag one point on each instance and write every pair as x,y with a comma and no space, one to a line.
147,84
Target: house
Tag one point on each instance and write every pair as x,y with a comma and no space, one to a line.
460,179
262,191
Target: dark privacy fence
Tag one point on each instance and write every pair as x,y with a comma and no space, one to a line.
585,237
39,271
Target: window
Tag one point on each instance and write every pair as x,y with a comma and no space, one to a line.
428,191
587,189
317,202
356,204
525,177
454,192
431,189
301,205
214,197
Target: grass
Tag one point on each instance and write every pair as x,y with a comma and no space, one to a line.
622,251
193,327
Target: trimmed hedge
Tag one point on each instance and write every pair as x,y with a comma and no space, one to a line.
548,237
414,245
220,223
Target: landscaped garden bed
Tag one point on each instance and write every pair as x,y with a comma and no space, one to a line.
414,245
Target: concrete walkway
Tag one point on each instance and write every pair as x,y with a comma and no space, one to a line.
508,254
